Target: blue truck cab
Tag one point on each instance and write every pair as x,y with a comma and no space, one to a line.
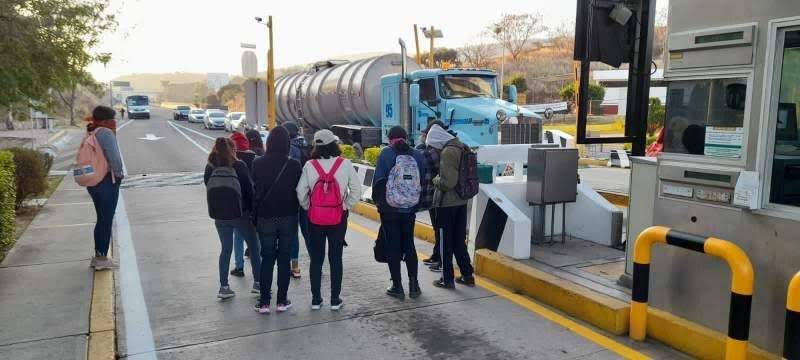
466,100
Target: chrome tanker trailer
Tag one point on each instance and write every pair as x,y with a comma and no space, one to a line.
361,100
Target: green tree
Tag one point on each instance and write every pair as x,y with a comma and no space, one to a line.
656,114
517,80
568,91
229,92
442,55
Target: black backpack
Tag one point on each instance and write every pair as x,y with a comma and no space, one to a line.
224,194
467,186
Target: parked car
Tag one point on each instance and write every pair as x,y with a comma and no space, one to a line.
214,119
181,112
196,116
233,120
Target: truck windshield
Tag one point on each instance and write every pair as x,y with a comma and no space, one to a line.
465,86
137,101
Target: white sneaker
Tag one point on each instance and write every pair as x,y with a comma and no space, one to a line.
104,264
337,306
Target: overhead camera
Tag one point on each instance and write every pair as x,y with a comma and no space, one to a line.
259,19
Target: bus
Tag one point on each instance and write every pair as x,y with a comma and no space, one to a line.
138,107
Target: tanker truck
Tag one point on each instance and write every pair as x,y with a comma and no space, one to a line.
361,100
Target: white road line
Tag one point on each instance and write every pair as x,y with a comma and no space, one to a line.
124,125
192,130
138,332
189,138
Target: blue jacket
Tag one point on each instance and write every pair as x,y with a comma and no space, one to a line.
386,161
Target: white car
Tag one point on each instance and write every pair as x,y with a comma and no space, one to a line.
214,119
196,116
233,120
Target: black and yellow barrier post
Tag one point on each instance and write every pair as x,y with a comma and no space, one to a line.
741,282
791,337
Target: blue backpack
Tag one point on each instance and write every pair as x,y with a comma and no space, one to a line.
403,187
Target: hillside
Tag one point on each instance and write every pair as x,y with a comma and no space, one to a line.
152,82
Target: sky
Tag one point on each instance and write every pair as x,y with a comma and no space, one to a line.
161,36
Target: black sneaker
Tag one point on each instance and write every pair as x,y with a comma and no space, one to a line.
413,289
430,261
396,292
436,267
337,304
442,284
466,280
316,304
237,272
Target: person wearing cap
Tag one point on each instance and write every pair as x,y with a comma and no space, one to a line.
431,155
326,154
298,150
398,222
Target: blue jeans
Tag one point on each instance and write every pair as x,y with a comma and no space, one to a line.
225,229
238,250
104,196
278,235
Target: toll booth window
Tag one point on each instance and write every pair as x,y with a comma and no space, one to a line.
785,179
427,90
706,117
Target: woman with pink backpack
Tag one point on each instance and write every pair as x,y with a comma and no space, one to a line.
328,188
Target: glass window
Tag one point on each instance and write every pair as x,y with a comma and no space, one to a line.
706,117
465,86
785,183
427,90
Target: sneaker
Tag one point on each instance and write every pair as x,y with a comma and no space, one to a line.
413,289
93,263
437,267
104,264
284,306
396,292
430,261
316,304
261,308
295,269
225,292
256,288
442,284
466,280
237,272
336,305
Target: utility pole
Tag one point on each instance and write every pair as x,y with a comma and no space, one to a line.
416,42
270,80
498,30
430,54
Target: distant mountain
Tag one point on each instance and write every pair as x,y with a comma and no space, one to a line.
152,82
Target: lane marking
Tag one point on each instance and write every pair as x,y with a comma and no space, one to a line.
189,138
124,125
192,130
540,310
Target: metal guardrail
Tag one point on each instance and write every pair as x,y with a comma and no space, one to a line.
741,283
791,337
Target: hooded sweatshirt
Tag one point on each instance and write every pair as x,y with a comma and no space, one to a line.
243,151
282,200
450,160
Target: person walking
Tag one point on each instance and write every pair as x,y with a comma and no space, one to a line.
275,176
298,150
451,209
432,156
122,113
328,188
256,144
104,167
246,155
398,178
229,192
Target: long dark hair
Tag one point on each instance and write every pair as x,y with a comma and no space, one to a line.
223,153
326,151
278,141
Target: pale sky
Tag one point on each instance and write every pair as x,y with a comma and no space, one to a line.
160,36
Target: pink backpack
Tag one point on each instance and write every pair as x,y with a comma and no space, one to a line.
326,199
91,165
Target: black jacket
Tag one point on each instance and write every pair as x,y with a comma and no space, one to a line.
282,200
244,181
248,157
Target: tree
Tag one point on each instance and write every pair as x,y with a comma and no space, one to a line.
514,32
68,93
212,100
442,56
562,36
229,92
568,91
200,92
478,54
517,80
655,115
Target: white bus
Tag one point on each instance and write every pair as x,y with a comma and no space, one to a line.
138,106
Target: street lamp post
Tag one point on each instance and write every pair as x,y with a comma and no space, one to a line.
498,30
431,34
270,76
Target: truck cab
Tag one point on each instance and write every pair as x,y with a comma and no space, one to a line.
466,100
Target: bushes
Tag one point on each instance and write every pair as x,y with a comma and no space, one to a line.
31,177
371,155
7,200
348,152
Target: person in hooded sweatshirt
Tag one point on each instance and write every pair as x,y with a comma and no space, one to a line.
275,178
451,209
397,222
256,144
298,150
247,156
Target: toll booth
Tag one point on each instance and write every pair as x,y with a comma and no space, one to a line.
731,161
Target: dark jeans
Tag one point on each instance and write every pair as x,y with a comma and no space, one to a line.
276,235
225,230
302,220
334,235
436,254
104,196
453,223
399,235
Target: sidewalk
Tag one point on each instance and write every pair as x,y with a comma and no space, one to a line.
46,282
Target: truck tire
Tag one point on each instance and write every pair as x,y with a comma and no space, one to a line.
548,113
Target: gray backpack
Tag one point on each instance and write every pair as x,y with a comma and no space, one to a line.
224,194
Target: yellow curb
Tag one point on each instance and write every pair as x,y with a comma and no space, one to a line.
102,310
600,310
101,345
618,200
421,231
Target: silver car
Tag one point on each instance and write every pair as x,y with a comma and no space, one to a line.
196,116
214,119
233,120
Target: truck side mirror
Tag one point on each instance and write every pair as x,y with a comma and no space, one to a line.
512,94
413,95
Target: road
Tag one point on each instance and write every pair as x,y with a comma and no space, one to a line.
167,282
